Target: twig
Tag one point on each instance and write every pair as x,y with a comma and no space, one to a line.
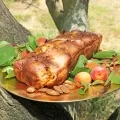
31,4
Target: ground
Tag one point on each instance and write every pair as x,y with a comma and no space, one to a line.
103,18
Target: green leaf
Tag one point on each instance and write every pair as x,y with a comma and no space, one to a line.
81,62
81,91
29,48
86,86
7,53
112,74
9,63
23,48
104,54
118,60
18,53
18,56
70,79
115,79
21,45
77,70
32,42
10,72
5,69
97,82
4,43
94,60
118,54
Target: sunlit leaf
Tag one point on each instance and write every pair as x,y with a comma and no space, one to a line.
104,54
5,69
70,78
32,42
9,63
10,74
9,71
111,75
95,60
3,43
7,53
77,70
21,45
118,60
23,48
18,56
81,91
29,48
115,79
81,62
86,86
97,82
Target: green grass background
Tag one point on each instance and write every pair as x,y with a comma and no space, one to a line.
104,18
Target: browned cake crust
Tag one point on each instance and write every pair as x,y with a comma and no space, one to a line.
50,63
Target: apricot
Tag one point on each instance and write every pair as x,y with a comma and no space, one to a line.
99,73
41,41
82,77
24,53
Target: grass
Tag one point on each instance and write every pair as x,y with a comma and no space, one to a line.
47,21
103,18
22,18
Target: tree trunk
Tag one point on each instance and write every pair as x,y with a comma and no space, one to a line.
72,14
16,108
95,109
10,29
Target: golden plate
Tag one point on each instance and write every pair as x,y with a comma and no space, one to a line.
19,89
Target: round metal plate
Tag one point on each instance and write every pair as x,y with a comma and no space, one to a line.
19,89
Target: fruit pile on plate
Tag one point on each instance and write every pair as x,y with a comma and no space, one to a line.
102,69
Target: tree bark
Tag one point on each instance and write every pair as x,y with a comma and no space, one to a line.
74,15
10,29
16,108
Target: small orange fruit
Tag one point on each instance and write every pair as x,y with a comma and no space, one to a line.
24,53
41,41
82,77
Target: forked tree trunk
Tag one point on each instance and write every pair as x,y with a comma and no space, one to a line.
73,15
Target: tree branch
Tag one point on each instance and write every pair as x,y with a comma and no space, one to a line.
31,4
56,11
73,16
